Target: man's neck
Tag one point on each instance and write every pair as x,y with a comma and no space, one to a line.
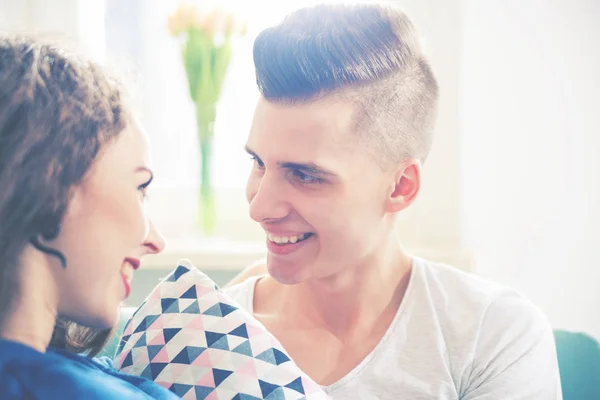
355,298
33,314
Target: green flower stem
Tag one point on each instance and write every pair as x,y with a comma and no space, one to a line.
205,117
206,65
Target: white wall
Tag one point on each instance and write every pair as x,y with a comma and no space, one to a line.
530,85
77,23
14,15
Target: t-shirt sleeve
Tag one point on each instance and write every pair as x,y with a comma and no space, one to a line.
515,356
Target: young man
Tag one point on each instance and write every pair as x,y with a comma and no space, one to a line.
339,135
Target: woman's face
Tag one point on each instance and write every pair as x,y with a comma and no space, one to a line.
106,232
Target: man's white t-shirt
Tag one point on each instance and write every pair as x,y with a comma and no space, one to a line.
455,336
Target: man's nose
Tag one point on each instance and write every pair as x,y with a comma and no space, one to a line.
267,198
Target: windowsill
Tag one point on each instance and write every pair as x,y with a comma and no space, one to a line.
227,255
207,254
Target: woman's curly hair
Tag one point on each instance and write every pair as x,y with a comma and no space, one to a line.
56,112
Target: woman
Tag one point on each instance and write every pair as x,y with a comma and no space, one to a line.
73,176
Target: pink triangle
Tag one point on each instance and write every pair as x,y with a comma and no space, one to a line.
162,356
166,385
212,396
177,370
158,324
208,380
216,355
202,290
196,323
159,340
154,296
203,360
254,330
248,369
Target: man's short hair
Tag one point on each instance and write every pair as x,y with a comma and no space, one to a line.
368,54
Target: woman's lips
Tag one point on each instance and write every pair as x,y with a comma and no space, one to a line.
126,284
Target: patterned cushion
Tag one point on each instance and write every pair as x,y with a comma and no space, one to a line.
193,339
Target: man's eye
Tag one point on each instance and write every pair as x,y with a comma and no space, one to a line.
306,178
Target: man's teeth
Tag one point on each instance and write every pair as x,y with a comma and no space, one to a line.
287,239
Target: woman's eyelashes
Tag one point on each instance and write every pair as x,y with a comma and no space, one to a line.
143,188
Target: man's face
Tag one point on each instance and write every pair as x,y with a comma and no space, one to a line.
318,194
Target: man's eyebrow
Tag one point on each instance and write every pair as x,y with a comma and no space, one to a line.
309,168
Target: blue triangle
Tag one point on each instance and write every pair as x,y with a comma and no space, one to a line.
153,350
122,344
220,375
222,344
296,385
202,392
180,389
165,304
189,294
179,271
267,388
215,311
156,369
192,309
174,309
267,356
213,337
194,352
182,358
280,357
147,373
146,323
240,331
277,394
244,349
128,361
141,341
226,309
242,396
142,326
169,333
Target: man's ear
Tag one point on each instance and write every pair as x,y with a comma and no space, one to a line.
405,187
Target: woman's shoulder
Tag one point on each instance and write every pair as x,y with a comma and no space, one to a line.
25,372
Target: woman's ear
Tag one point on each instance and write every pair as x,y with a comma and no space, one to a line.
405,186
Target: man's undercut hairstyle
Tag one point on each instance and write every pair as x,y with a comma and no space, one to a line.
369,55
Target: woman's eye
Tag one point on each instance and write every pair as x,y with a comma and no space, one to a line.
257,161
143,189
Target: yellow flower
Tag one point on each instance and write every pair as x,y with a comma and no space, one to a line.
214,22
185,17
234,25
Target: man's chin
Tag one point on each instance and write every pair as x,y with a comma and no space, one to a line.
285,273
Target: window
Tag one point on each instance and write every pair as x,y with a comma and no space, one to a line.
137,40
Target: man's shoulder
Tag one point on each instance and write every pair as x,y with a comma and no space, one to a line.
465,295
457,284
